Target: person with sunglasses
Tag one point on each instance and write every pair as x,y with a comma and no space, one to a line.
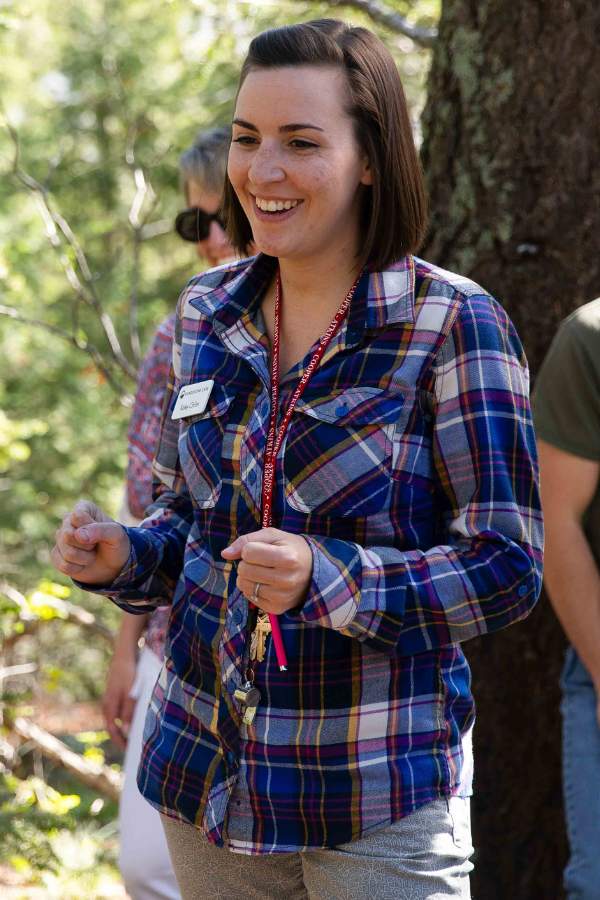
345,492
143,856
201,222
203,228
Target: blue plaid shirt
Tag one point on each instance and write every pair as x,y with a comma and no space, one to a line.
409,466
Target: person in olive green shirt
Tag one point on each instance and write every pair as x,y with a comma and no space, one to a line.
566,405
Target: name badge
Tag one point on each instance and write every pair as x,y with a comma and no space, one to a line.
192,399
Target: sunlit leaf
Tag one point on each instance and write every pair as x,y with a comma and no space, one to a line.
94,755
41,603
54,589
92,737
20,864
52,801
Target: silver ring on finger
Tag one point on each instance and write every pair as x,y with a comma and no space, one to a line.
255,596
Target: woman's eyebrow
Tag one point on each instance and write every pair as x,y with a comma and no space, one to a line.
293,126
300,126
243,124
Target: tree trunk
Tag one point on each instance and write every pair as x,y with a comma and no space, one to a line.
511,137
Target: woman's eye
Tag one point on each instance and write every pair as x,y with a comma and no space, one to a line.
301,144
244,139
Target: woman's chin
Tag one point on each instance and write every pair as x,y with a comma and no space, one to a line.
273,248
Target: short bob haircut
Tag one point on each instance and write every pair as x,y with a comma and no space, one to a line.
206,160
393,216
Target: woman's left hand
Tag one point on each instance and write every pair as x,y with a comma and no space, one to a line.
279,562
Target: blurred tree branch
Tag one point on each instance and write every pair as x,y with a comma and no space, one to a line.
64,610
72,338
393,20
144,198
79,275
96,775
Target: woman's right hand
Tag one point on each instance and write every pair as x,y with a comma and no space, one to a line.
90,547
118,704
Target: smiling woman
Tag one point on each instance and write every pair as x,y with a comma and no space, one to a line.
365,116
298,173
352,495
298,183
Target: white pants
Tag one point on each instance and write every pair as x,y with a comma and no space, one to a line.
144,858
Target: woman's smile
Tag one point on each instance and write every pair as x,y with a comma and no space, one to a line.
275,211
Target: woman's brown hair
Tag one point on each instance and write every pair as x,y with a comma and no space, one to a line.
394,209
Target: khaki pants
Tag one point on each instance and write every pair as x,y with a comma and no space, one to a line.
424,856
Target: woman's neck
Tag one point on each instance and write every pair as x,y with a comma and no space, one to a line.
310,297
317,285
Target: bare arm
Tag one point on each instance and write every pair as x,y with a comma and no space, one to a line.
117,705
130,631
571,574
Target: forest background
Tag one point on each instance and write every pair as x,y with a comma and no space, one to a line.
97,102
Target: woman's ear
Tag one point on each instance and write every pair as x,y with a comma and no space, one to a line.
367,174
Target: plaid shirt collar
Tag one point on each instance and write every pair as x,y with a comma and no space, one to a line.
382,298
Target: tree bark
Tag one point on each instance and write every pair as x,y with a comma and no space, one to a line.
511,137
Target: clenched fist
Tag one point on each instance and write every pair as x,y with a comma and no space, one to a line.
279,562
90,546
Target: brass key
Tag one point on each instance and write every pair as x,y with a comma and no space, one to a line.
258,641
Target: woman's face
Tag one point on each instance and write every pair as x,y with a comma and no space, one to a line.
295,163
215,249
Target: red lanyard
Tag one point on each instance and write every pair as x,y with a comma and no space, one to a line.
275,436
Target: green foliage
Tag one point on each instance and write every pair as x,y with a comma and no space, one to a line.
61,841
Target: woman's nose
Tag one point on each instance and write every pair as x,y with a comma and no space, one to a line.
265,167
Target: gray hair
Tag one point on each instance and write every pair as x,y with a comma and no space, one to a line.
206,160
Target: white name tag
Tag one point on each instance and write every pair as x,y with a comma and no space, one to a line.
192,399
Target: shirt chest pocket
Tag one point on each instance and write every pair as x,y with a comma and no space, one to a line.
339,454
200,449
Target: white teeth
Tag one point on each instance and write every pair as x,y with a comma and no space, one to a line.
275,205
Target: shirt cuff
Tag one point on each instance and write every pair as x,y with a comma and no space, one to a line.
334,591
357,591
135,570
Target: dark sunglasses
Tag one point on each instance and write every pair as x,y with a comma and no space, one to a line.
194,224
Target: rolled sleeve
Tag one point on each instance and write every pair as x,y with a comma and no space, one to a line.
136,589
